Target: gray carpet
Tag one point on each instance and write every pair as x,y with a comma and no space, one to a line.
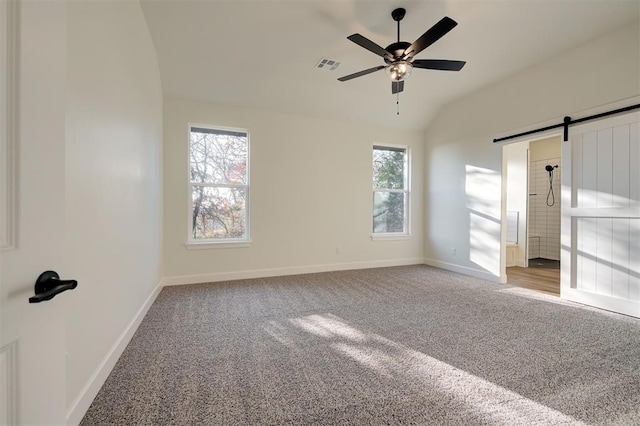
402,345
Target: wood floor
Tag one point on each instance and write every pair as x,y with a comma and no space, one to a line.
540,279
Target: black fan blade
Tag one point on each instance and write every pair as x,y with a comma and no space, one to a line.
361,73
432,35
397,87
362,41
438,64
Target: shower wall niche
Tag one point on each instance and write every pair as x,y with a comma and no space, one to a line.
544,209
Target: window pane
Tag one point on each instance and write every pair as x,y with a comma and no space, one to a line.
218,213
388,211
388,168
218,156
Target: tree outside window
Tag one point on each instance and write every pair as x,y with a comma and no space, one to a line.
219,181
390,190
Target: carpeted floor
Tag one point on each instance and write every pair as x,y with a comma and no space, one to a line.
402,345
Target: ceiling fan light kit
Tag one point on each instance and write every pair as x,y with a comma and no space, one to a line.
400,70
399,56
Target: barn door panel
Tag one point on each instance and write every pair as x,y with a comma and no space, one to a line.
601,214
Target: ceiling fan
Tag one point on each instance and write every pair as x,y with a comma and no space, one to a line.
399,56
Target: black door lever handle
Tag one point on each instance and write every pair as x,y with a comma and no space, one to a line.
49,284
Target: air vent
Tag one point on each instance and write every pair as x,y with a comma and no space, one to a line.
328,64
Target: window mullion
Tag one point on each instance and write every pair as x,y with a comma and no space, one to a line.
220,185
389,190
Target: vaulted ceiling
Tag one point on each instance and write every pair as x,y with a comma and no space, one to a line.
263,53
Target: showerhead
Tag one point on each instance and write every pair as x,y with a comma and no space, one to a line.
549,168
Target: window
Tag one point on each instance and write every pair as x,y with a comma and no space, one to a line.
219,185
390,190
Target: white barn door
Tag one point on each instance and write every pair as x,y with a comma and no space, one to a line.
600,257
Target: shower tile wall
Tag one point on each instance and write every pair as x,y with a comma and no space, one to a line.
544,221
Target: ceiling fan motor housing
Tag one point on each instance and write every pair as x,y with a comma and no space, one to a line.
397,50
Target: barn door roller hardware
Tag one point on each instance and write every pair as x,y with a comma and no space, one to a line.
568,121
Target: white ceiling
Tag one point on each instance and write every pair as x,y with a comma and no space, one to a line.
262,53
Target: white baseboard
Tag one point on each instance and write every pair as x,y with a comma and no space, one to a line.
463,270
294,270
81,404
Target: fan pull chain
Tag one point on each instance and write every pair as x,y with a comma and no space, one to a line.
397,103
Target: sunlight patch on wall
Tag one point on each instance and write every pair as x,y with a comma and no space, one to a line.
484,242
484,197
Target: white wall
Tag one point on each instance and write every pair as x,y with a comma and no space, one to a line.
546,148
113,182
463,179
515,156
311,191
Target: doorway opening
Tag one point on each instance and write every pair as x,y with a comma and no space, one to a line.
531,171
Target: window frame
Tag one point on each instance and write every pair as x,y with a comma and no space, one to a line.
406,232
208,243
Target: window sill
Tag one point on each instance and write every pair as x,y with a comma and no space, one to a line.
390,237
204,245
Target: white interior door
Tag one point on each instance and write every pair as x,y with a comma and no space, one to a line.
32,339
601,214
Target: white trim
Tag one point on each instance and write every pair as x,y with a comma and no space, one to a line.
398,191
389,236
383,145
80,405
294,270
209,244
462,270
613,304
8,123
